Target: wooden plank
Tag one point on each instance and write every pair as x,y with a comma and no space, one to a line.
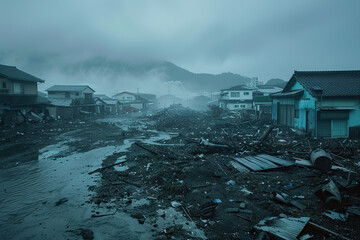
239,166
265,163
248,164
276,160
256,162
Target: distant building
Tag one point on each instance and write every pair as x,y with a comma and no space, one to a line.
237,98
18,95
132,101
166,101
106,105
68,100
254,82
200,103
324,103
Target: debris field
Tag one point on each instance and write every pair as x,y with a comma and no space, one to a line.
231,176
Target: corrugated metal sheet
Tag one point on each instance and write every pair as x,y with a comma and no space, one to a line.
259,163
285,228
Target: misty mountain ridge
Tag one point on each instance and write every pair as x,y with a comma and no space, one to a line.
276,82
166,71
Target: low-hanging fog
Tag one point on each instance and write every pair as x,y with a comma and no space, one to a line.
267,39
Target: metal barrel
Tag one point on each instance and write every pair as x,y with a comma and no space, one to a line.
321,160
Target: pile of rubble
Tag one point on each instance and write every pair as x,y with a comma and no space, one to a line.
238,179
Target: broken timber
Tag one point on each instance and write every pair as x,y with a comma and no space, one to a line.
145,148
259,163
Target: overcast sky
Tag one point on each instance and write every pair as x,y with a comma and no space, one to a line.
265,38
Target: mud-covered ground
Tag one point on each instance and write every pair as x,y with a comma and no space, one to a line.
164,175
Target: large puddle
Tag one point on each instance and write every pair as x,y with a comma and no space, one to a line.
30,191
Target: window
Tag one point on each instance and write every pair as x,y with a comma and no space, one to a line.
234,94
129,97
243,106
4,85
77,94
67,95
236,106
246,93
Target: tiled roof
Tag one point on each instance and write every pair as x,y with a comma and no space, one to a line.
68,88
291,93
328,83
266,87
13,73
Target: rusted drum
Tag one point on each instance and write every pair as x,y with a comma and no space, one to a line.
321,160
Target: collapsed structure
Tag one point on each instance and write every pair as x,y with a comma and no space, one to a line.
19,96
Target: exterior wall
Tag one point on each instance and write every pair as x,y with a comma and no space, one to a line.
238,106
242,96
309,114
30,88
60,95
27,87
123,97
304,110
72,94
63,112
137,105
227,101
353,104
9,85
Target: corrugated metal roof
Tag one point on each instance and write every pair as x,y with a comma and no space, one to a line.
285,228
11,72
68,88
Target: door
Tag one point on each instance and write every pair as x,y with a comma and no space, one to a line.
307,121
339,128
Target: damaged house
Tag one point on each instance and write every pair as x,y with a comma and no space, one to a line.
106,105
237,98
323,103
68,100
19,99
131,101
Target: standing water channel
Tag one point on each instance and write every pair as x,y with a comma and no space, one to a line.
48,198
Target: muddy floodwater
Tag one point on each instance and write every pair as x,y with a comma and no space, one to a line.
47,196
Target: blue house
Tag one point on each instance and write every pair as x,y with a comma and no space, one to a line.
321,103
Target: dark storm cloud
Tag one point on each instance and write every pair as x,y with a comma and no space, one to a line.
254,38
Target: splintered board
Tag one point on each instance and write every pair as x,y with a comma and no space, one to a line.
259,163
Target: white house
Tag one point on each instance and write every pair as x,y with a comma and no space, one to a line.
237,98
131,101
